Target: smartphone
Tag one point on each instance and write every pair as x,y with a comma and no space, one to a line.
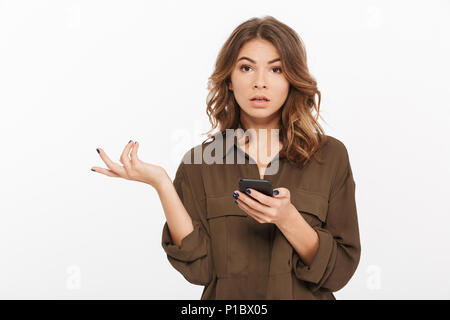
263,186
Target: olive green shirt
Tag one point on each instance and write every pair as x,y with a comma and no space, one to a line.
236,257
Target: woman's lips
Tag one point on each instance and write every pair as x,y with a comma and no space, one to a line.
259,103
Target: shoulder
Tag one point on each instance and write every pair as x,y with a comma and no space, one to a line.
335,146
193,162
335,155
334,150
194,155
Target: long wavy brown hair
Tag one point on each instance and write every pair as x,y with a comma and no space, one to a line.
300,132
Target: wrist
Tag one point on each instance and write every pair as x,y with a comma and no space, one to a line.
163,183
289,218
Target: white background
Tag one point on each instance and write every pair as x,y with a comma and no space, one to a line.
77,75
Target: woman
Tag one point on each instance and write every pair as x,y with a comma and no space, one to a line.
301,243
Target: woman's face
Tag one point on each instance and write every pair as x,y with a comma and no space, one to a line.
259,76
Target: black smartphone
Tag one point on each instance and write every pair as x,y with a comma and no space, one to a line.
261,185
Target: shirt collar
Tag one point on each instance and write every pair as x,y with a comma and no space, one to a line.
228,148
231,146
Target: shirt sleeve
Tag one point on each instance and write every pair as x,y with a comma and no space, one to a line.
193,257
339,249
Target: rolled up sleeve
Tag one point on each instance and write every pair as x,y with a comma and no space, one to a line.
192,247
339,249
193,257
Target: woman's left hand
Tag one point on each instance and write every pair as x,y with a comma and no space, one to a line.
276,209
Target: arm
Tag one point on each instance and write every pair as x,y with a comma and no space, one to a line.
187,244
328,257
301,235
185,236
178,219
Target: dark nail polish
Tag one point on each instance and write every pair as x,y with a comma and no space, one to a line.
248,191
98,150
235,195
235,201
93,170
276,192
129,141
135,142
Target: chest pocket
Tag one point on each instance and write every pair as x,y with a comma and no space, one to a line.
229,235
312,206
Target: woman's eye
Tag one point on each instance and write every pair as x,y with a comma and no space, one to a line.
277,68
274,68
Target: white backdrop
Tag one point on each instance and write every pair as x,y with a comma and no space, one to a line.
77,75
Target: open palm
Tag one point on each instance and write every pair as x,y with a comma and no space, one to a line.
133,168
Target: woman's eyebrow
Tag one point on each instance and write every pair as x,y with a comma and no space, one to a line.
253,61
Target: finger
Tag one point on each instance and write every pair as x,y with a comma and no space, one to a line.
251,212
261,197
134,156
106,172
117,168
282,192
252,203
124,158
246,198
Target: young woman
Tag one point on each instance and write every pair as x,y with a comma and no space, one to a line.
302,242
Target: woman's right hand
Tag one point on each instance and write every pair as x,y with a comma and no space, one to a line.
133,168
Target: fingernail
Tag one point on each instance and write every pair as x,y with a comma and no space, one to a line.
248,191
276,192
93,170
130,141
135,142
235,195
235,201
98,150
